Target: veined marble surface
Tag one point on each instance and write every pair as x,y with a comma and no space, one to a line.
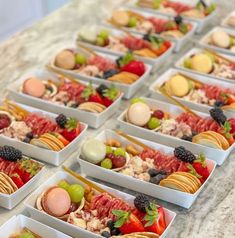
213,213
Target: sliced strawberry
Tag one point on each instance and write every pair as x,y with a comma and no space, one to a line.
17,180
127,222
135,67
201,167
109,95
91,95
72,129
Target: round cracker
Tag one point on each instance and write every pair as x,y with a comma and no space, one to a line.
174,184
54,139
9,181
224,143
50,143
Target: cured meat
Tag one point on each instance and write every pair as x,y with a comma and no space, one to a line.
159,24
162,161
214,92
133,43
104,204
199,124
73,90
177,6
102,63
40,124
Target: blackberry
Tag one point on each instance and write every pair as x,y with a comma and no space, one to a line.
155,172
157,179
141,202
187,138
106,234
110,224
101,89
29,135
26,140
146,37
218,115
178,19
61,120
115,232
10,153
110,73
219,103
185,155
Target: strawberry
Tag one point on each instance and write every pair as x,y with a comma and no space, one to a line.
109,95
17,180
61,138
72,129
193,171
135,67
167,44
232,124
154,220
230,99
226,131
160,50
91,95
201,167
127,222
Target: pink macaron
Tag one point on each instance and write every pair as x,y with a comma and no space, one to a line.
34,87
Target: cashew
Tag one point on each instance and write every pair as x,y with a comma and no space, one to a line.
132,150
113,143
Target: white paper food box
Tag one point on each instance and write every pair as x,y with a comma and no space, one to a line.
225,20
70,229
180,62
49,156
201,23
155,62
16,223
219,156
204,79
94,120
179,43
170,195
204,42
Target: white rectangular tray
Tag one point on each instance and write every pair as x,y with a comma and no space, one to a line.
201,23
204,42
20,221
219,156
155,62
179,64
225,20
204,79
70,229
94,120
179,43
51,157
10,201
127,90
170,195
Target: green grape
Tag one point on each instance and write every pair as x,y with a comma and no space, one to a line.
153,123
100,41
104,34
187,63
109,150
119,151
26,234
135,100
132,22
80,59
76,192
63,184
107,163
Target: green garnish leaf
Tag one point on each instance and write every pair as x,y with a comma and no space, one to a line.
151,214
122,217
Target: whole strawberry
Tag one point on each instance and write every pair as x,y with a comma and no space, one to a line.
91,95
109,95
135,67
72,129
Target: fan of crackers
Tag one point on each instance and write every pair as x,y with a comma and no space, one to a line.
7,186
139,235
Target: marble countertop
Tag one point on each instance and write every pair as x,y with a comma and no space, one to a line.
212,215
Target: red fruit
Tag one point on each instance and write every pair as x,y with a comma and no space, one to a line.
201,167
160,50
230,99
17,180
127,222
118,161
72,129
232,124
158,114
135,67
61,138
4,121
91,95
167,44
109,95
154,221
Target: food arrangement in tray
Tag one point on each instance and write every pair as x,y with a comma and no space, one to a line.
136,21
101,213
221,39
180,169
229,21
24,233
198,11
70,93
37,129
210,63
16,169
121,42
214,131
190,89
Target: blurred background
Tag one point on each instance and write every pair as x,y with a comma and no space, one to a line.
15,15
